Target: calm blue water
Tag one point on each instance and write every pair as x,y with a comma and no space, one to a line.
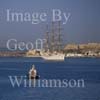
72,68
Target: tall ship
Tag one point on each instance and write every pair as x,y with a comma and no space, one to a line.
53,48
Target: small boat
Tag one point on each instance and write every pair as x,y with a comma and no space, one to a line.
33,73
37,77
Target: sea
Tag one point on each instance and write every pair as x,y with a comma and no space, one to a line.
72,68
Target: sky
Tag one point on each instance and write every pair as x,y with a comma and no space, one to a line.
83,25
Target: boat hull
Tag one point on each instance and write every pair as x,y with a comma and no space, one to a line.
59,57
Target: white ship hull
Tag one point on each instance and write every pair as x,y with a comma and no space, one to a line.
58,57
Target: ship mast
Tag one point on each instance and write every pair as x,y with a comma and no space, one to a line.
53,37
47,47
54,41
59,37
